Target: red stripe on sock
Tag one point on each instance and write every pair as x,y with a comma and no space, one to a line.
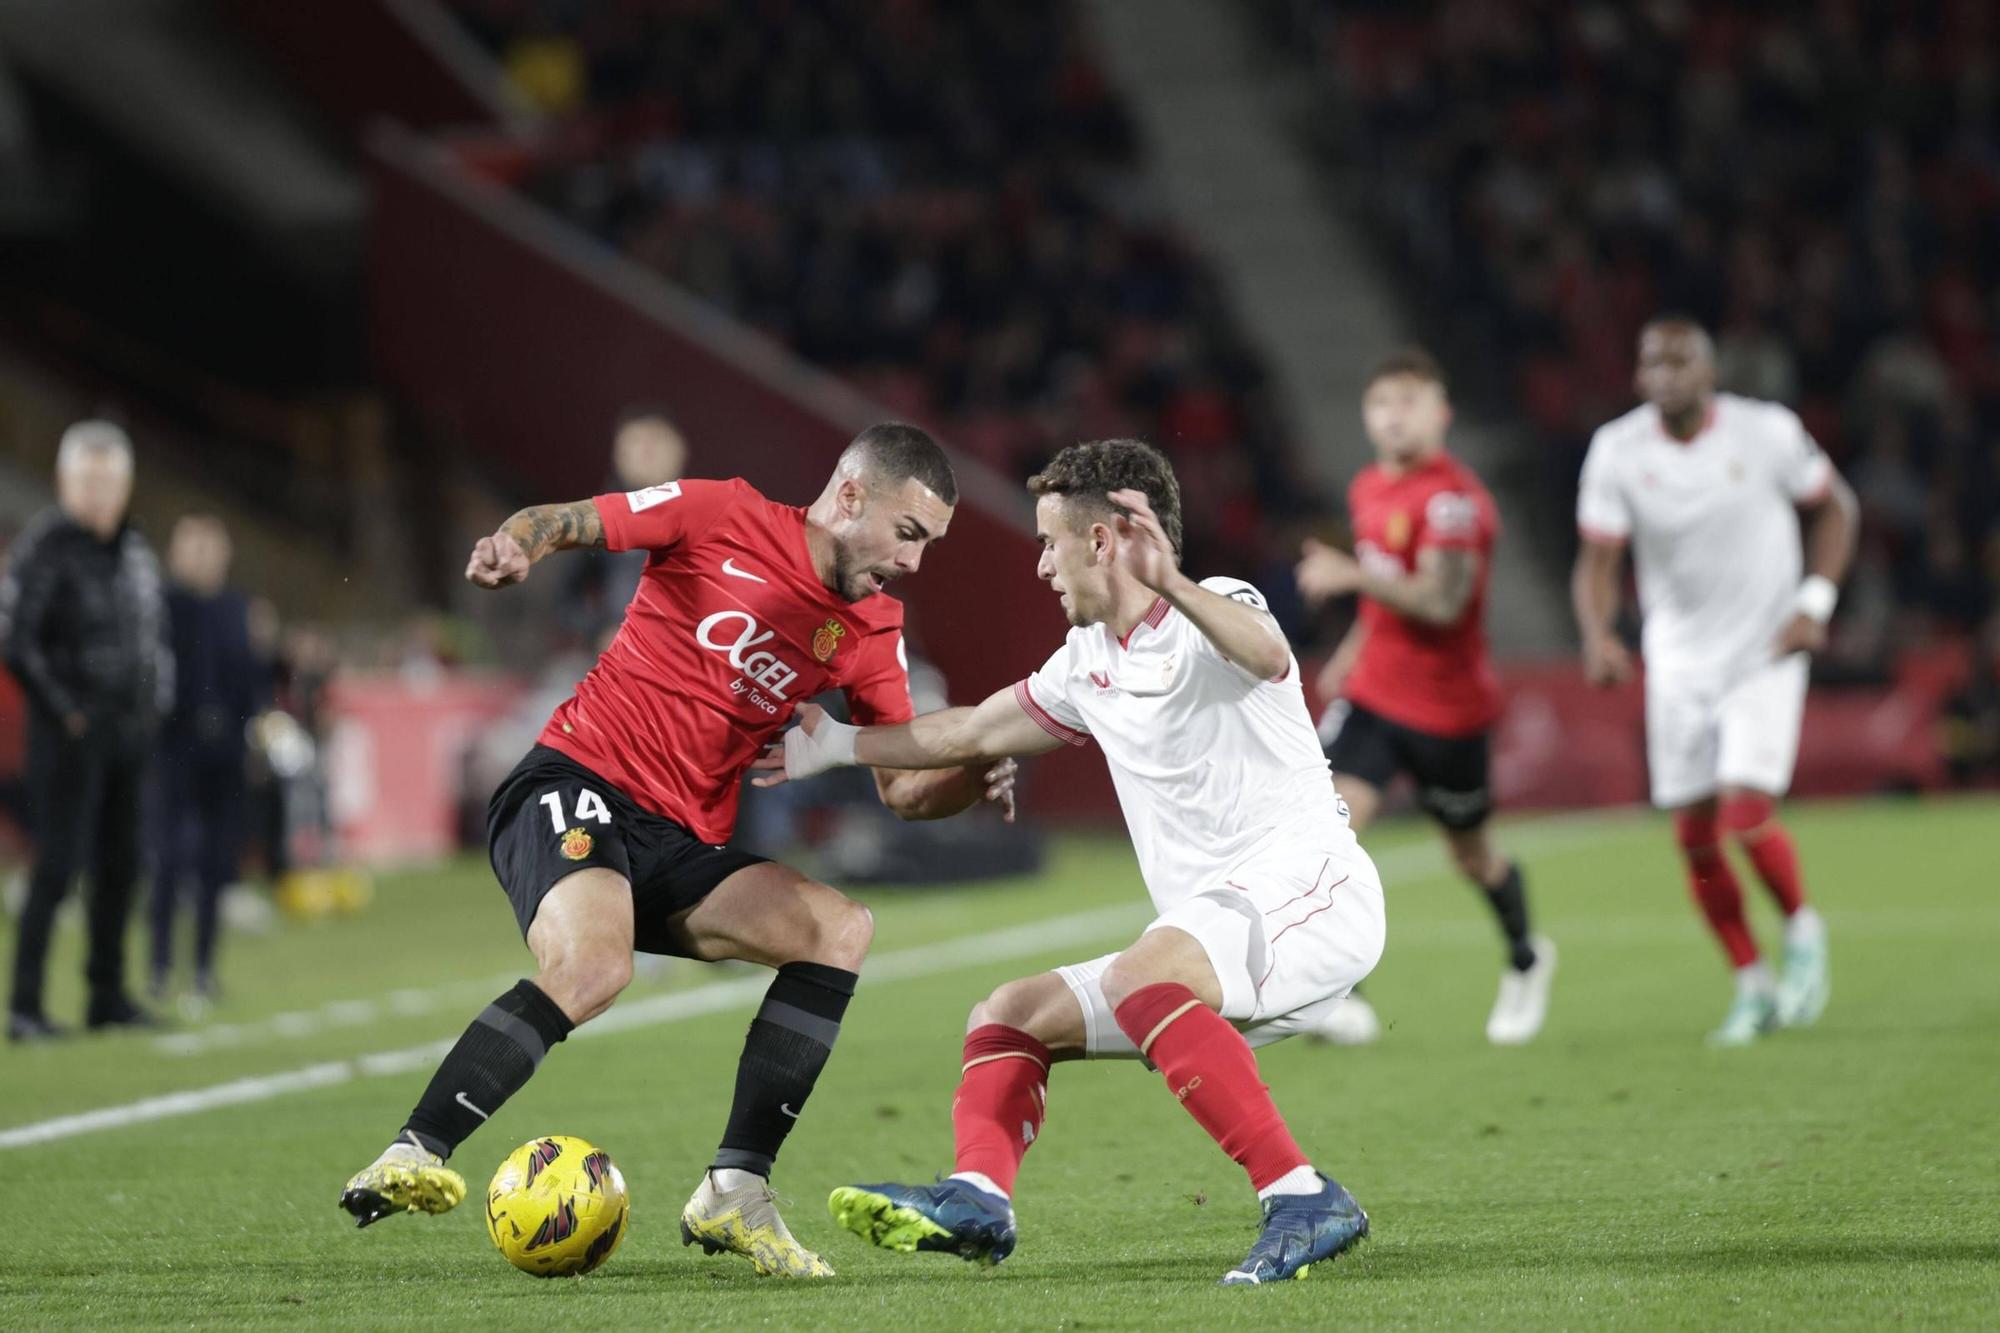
1213,1072
1002,1099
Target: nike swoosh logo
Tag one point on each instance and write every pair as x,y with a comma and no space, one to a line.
788,1110
729,567
466,1102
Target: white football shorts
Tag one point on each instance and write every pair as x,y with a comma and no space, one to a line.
1744,733
1289,933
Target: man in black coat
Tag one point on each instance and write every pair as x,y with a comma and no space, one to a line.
218,687
82,627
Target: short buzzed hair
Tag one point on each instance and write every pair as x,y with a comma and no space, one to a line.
1088,473
1414,362
93,438
1676,319
895,452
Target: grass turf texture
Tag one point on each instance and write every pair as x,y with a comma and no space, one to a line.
1614,1173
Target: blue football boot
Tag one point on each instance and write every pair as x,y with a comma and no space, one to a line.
1299,1231
951,1217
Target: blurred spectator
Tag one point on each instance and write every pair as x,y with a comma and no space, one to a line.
219,686
83,628
944,203
647,449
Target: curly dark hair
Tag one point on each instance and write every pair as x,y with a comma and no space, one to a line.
1086,474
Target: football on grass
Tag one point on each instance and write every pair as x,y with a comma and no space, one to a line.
557,1207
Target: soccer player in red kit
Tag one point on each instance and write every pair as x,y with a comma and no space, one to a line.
611,835
1411,688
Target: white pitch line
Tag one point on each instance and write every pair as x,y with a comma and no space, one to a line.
739,992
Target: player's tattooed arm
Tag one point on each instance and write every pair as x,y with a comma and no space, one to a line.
527,536
544,528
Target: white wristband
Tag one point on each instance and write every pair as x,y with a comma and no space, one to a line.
1817,596
832,746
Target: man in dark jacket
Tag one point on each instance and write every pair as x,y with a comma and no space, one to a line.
218,688
82,627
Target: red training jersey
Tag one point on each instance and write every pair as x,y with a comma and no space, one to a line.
1431,678
729,631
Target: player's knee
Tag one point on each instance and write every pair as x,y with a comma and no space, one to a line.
1010,1005
583,980
842,931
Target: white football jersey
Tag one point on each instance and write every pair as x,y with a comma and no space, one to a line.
1212,765
1713,529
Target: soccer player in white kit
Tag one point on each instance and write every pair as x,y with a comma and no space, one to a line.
1708,490
1269,911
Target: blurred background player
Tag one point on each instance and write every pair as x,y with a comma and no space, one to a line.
1707,489
83,628
1410,688
1269,911
613,832
219,686
647,449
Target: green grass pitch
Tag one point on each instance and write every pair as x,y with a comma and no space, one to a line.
1615,1173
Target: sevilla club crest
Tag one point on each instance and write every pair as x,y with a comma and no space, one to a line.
827,638
576,844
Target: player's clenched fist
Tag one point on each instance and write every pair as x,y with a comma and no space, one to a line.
497,561
1606,661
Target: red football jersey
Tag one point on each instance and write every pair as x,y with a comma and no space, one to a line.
1433,678
729,631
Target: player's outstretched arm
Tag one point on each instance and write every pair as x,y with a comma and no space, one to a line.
527,536
1594,593
951,738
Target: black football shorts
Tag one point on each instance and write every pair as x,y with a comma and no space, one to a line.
552,817
1450,772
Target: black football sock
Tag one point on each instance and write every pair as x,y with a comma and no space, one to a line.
1509,900
789,1041
497,1054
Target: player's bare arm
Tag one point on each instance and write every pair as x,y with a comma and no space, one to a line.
995,728
912,793
1333,676
1437,593
527,536
1247,635
1832,525
1595,594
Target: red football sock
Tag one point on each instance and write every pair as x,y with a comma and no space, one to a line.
1214,1073
1002,1096
1752,819
1714,884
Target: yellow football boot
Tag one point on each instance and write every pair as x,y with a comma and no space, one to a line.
405,1179
745,1221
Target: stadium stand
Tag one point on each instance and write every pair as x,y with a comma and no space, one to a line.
943,203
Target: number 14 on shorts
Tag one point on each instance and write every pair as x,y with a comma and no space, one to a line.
589,805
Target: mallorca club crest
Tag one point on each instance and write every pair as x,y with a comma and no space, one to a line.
1396,532
827,638
576,844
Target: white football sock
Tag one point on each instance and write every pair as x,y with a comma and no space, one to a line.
1803,927
979,1180
1298,1180
728,1178
1755,979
